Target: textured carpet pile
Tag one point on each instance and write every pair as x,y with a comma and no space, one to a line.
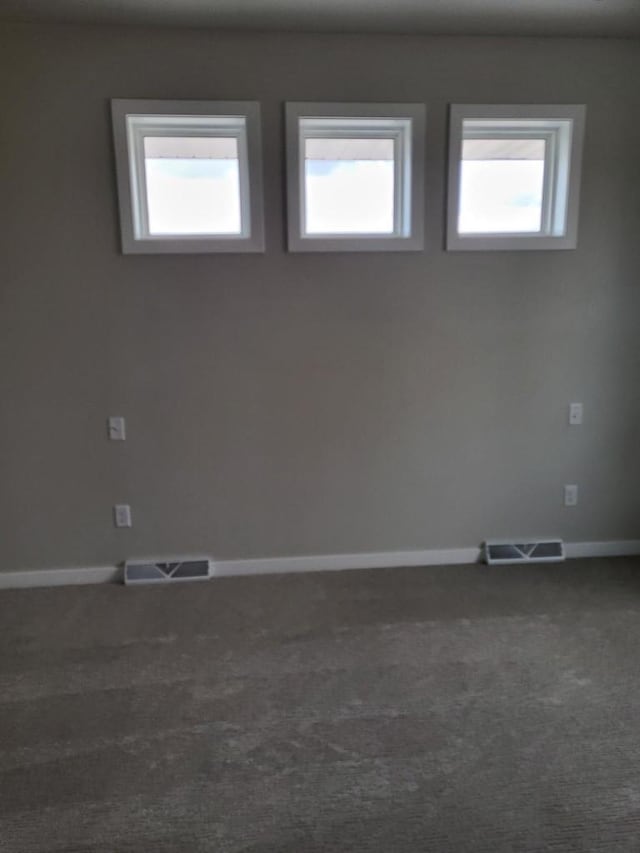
398,711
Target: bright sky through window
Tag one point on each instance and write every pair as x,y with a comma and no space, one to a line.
193,185
501,186
349,186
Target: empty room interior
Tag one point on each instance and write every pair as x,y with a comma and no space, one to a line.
320,382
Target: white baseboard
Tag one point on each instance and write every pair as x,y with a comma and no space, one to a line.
340,562
320,563
621,548
396,559
60,577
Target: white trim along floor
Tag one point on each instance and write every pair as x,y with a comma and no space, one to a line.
324,562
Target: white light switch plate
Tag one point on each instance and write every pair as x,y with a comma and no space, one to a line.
576,411
117,429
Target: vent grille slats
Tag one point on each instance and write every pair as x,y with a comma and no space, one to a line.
167,571
540,551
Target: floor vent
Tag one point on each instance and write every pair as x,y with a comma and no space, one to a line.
169,571
539,551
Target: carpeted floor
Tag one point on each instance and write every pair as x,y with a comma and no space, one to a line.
399,711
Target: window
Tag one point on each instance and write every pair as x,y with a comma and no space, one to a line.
514,177
189,176
355,177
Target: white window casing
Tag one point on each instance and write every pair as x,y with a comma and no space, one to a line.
187,132
379,132
559,129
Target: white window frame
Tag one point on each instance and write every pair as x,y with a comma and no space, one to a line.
562,128
135,119
405,125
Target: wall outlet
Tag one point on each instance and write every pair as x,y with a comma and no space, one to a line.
116,429
570,495
122,515
576,410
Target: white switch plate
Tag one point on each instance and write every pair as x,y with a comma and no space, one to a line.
575,413
117,429
570,495
122,515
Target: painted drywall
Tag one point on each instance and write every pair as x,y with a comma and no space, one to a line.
284,404
490,17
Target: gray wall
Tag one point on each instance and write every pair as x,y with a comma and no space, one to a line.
296,404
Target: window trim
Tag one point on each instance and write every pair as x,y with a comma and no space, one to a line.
408,184
236,119
560,217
